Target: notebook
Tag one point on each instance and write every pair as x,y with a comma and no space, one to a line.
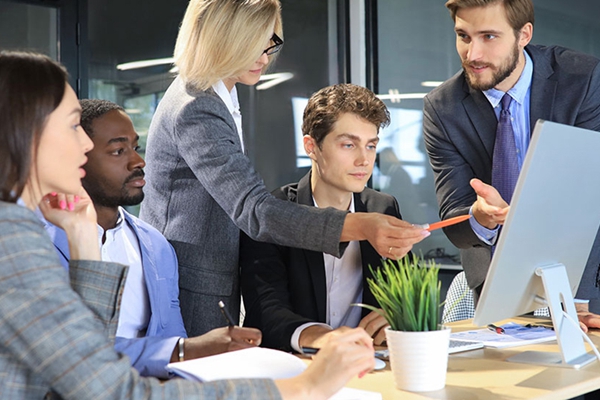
256,362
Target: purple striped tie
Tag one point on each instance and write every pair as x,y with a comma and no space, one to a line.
505,164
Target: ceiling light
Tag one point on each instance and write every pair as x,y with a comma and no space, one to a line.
431,83
273,79
145,63
396,97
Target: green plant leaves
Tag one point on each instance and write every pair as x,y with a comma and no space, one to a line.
408,291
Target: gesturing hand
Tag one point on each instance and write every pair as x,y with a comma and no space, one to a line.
489,209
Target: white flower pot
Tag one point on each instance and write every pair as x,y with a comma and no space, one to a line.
419,360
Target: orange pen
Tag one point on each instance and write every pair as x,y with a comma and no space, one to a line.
448,222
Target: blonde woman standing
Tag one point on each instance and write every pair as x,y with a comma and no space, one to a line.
201,188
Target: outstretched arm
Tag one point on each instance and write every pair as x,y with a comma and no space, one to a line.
390,236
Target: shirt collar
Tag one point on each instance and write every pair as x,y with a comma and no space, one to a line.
118,225
229,98
519,90
351,208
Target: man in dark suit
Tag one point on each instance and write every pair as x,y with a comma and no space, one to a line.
301,298
461,117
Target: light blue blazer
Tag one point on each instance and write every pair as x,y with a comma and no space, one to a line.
149,354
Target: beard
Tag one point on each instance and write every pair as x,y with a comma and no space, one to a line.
124,198
499,74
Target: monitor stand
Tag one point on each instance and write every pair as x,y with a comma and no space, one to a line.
559,297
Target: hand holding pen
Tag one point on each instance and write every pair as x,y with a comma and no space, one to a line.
221,340
226,314
239,337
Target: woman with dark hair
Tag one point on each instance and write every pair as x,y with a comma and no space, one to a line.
51,342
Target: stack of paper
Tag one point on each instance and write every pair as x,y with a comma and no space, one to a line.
256,362
514,335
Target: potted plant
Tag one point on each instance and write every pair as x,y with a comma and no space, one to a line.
408,291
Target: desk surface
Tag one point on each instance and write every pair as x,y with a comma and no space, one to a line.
484,374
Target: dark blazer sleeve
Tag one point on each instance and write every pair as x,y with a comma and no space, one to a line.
265,284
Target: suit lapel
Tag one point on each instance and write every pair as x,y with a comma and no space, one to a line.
314,260
150,272
369,256
481,114
542,87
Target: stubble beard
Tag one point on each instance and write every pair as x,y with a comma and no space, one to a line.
499,75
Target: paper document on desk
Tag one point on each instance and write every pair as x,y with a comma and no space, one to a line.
256,362
356,394
514,335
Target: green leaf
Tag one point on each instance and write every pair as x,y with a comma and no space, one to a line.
408,292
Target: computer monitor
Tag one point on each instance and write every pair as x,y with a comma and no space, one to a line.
547,237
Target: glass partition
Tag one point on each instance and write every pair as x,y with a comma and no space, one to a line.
29,27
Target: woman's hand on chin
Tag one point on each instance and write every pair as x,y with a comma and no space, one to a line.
68,210
75,214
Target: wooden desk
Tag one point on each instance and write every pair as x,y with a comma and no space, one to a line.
484,374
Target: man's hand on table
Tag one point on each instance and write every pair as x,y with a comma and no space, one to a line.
587,319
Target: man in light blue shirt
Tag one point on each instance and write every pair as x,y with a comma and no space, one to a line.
460,118
150,329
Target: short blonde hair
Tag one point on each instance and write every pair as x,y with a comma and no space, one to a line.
219,39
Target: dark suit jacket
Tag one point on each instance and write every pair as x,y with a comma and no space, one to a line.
284,287
460,129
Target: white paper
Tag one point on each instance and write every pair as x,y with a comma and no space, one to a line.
356,394
256,362
515,335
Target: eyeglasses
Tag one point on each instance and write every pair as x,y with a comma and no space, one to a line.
276,47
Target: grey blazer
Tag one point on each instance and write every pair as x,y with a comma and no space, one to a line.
201,190
460,129
51,341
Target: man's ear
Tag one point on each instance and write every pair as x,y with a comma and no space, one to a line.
310,146
525,34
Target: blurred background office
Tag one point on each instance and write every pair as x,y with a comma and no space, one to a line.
120,50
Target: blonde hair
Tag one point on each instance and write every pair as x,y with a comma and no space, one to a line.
219,39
